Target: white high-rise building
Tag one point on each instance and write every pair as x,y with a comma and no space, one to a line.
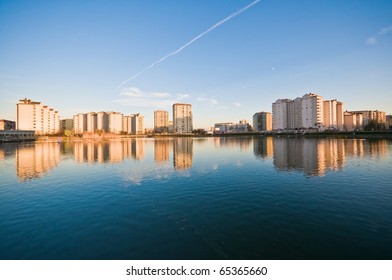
91,122
80,123
182,118
31,115
102,122
330,114
115,122
312,111
280,114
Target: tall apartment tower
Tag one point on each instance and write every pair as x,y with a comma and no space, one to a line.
161,121
182,118
31,115
339,115
102,122
262,121
312,111
115,122
280,114
137,124
80,123
330,114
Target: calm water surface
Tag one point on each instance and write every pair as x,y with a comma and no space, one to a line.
197,198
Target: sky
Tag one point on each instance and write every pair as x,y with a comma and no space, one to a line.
229,59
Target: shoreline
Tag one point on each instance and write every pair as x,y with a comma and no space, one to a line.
320,135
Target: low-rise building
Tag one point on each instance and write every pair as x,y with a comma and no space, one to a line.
7,125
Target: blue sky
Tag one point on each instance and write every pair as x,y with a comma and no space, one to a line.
73,55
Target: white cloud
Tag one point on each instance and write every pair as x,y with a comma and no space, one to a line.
210,101
237,104
137,98
371,41
383,31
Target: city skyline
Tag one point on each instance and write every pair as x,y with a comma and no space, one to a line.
237,67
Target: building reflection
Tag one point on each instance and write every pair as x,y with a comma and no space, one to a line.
243,143
162,150
34,161
317,156
263,147
314,157
108,152
182,153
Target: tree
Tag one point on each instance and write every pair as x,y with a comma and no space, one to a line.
372,125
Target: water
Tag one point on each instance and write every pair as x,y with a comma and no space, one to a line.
197,198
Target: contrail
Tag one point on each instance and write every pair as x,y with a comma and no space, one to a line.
216,25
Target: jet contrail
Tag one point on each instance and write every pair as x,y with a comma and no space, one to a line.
216,25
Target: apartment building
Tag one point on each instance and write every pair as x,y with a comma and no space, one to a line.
80,123
368,115
280,114
102,122
262,121
66,125
115,122
353,121
312,111
7,125
182,118
137,124
32,115
161,121
308,111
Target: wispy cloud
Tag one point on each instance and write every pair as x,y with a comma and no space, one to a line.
237,104
210,101
383,31
216,25
135,97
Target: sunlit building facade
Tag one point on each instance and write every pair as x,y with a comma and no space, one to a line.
115,122
262,121
137,124
161,121
280,114
182,118
32,115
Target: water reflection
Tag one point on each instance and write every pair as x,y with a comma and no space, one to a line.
108,152
263,147
183,153
162,149
314,157
36,160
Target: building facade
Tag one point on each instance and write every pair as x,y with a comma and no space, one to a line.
312,111
307,112
7,125
161,121
115,122
280,114
137,124
182,118
32,115
66,125
262,121
353,121
388,121
372,115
